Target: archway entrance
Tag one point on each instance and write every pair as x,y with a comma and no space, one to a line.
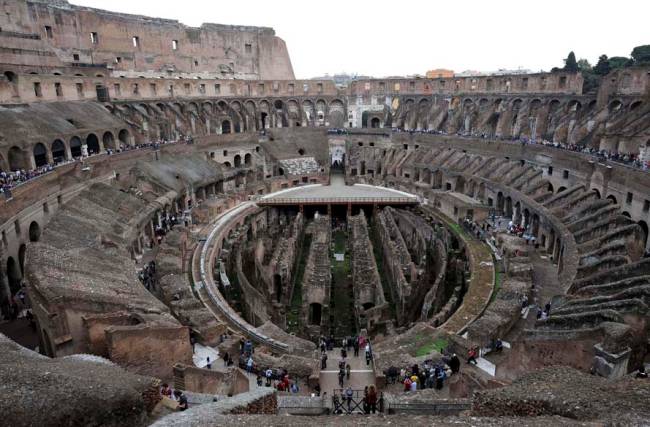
108,140
75,146
40,155
277,286
34,232
13,275
315,311
123,136
374,122
93,144
58,151
225,126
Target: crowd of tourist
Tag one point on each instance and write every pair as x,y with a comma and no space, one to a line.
10,179
429,374
602,155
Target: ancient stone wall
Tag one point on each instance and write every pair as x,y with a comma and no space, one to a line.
317,277
207,381
368,291
60,34
148,349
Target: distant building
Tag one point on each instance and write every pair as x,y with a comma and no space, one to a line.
499,72
342,80
440,73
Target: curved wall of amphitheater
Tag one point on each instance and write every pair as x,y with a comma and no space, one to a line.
104,139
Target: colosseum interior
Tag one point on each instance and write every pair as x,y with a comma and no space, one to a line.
177,209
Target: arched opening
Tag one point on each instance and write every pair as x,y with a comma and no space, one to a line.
16,159
560,189
549,187
22,251
375,123
227,164
123,136
644,228
58,151
315,311
13,275
613,199
225,126
508,206
75,146
264,116
237,160
596,192
109,141
40,155
500,201
280,171
34,232
301,151
93,143
248,159
10,76
277,286
535,225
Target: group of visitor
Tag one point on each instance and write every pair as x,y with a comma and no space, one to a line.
629,159
429,374
147,276
10,179
176,395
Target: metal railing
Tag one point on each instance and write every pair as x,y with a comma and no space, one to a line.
334,200
353,404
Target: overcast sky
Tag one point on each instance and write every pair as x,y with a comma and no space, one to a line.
381,38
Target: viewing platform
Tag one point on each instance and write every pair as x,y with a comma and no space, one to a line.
338,194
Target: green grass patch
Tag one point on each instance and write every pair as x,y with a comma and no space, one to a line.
457,228
339,242
428,345
295,309
341,296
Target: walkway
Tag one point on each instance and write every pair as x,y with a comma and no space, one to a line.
481,283
361,375
338,193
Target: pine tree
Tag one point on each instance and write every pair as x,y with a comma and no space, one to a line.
570,63
602,67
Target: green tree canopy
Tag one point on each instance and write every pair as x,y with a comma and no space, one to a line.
618,62
570,63
641,54
602,67
584,65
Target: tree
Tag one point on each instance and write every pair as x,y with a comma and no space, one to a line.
602,67
570,63
584,65
618,62
641,54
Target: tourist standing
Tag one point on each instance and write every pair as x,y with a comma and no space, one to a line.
371,399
